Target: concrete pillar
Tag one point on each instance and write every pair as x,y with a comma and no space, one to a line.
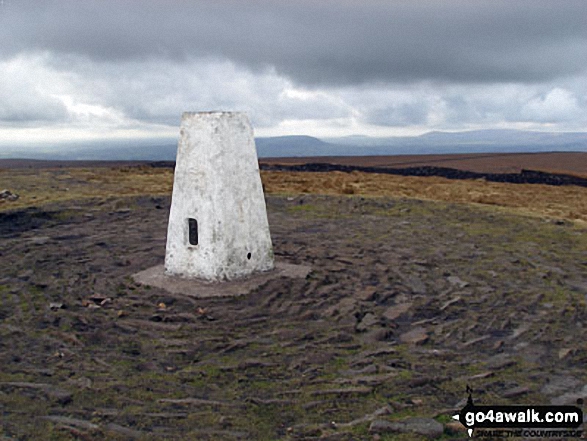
218,227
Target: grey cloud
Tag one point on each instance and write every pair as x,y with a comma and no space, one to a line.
542,104
402,114
157,92
22,103
319,42
41,112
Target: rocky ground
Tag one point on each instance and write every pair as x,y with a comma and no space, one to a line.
408,302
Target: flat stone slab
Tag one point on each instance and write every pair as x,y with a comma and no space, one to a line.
156,277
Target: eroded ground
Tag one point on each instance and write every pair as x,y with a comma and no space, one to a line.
408,302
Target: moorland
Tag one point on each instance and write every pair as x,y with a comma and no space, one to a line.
420,287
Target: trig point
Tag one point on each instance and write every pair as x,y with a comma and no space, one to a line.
218,227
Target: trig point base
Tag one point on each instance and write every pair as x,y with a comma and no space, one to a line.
199,288
218,227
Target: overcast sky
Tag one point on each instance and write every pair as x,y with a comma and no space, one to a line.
75,69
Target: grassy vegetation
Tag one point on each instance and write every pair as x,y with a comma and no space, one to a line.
38,187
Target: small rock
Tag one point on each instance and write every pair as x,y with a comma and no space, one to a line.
395,311
367,322
373,380
427,427
564,352
416,285
304,431
570,398
500,361
532,353
415,336
560,384
8,196
454,280
367,294
376,335
39,240
340,337
578,285
497,345
369,369
520,330
515,392
123,431
53,393
73,422
482,375
378,352
97,298
476,340
25,275
450,302
344,391
460,404
80,383
381,426
253,364
344,307
54,306
455,428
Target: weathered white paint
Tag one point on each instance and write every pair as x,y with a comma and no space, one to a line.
217,182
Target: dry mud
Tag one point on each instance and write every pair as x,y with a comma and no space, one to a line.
408,302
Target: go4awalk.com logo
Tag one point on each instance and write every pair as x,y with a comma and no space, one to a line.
521,421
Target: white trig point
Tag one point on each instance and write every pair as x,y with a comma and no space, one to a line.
218,227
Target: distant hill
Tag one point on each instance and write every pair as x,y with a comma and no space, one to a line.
111,150
282,146
480,141
476,141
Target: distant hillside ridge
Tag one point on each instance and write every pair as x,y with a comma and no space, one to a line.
164,149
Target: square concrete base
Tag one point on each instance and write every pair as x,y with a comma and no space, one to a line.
156,276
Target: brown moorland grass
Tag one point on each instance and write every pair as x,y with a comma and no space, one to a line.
41,186
38,187
566,202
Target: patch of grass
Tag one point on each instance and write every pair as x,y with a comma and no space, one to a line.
52,185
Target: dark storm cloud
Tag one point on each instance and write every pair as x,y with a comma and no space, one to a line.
318,42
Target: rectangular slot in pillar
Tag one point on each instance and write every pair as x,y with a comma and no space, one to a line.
193,231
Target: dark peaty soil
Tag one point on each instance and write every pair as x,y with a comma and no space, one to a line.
553,162
408,303
524,177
